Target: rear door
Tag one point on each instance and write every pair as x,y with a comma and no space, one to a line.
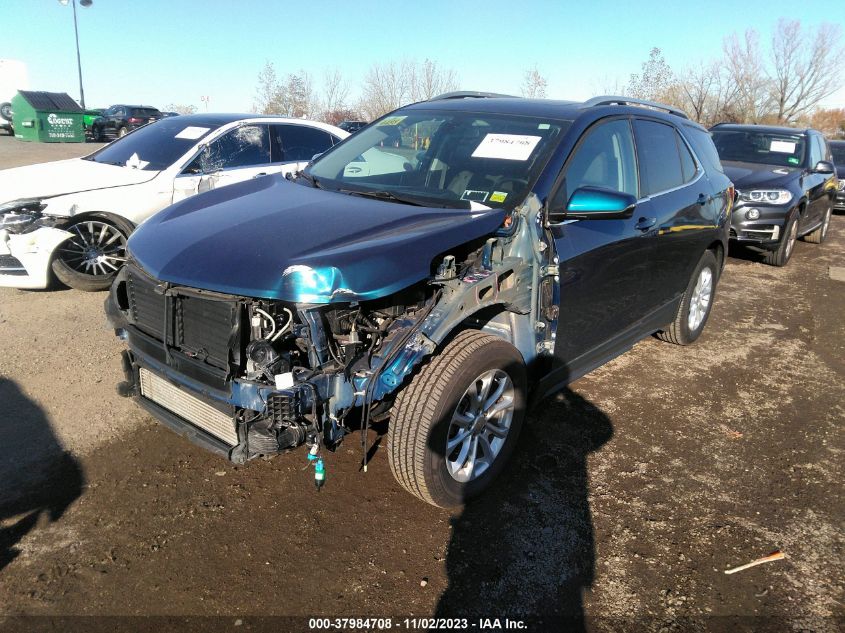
603,263
293,145
677,197
818,196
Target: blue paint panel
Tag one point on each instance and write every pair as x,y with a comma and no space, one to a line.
274,239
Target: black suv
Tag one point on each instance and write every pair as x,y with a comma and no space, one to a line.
351,126
119,120
444,288
837,148
785,184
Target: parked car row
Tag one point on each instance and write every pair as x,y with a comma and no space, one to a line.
446,287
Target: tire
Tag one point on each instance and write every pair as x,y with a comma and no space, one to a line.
817,236
121,132
434,407
6,110
91,258
696,304
782,254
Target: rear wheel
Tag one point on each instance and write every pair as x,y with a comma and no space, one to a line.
6,110
780,256
121,132
696,303
91,257
817,236
453,428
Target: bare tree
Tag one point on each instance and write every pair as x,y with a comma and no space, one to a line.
428,80
828,121
386,87
268,93
180,109
655,81
806,67
744,64
335,93
534,84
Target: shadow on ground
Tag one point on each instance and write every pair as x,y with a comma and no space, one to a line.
38,476
526,549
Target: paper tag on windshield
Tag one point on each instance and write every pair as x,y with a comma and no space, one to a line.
392,120
136,162
506,146
192,133
784,147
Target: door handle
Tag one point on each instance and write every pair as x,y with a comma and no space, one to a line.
644,224
258,175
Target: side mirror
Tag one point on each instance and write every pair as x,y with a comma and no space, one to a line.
595,203
823,167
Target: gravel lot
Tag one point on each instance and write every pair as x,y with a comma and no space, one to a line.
628,497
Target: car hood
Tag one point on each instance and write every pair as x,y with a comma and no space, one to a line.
747,176
62,177
271,238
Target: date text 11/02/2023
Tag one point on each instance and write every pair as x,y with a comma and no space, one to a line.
443,624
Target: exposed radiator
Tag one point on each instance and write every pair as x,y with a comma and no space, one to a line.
186,406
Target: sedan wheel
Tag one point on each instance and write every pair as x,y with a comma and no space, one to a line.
91,257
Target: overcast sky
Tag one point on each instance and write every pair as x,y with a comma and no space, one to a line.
159,52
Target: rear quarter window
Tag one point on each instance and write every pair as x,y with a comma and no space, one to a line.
702,144
660,161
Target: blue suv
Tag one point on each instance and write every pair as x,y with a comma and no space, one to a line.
502,248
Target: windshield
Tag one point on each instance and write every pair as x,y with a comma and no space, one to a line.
144,112
765,148
838,151
153,147
442,158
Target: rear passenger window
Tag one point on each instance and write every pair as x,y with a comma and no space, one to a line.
702,142
299,142
660,161
687,161
605,158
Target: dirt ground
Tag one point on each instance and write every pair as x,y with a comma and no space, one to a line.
629,496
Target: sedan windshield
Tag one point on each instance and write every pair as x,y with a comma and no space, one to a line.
765,148
441,158
153,147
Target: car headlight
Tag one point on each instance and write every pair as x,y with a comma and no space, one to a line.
841,184
22,216
766,196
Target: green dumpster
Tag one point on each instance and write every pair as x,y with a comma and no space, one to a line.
49,117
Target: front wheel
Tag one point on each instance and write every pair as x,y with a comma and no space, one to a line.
817,236
453,428
781,255
695,306
91,257
121,132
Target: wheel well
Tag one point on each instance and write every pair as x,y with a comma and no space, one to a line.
112,218
719,251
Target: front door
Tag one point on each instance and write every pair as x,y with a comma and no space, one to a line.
602,262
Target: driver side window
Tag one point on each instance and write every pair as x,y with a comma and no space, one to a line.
245,146
605,158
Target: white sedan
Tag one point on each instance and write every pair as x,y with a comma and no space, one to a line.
73,216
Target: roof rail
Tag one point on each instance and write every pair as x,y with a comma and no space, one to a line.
469,94
616,100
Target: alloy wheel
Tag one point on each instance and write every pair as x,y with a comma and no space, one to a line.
700,299
95,248
480,425
790,239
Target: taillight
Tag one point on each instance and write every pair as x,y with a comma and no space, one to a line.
134,119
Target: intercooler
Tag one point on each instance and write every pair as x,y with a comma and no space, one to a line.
188,407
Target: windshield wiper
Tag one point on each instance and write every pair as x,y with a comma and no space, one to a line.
390,196
312,179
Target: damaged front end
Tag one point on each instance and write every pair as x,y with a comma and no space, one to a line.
249,377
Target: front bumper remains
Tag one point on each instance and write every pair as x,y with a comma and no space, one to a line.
763,231
25,258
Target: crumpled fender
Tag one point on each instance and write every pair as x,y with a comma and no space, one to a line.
35,251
